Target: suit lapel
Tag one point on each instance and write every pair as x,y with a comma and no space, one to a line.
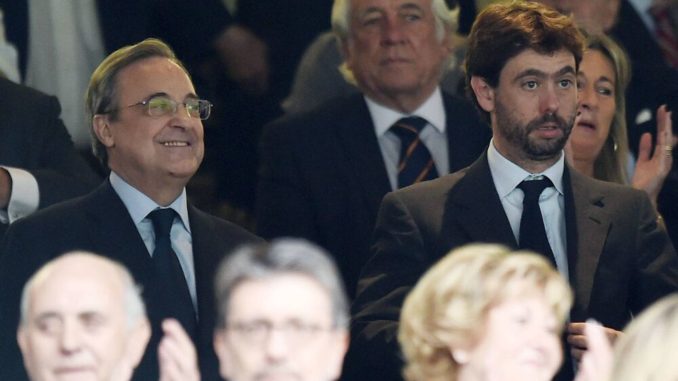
363,155
474,207
590,225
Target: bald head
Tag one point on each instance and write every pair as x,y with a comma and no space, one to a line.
82,316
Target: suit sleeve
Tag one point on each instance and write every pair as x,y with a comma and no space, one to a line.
657,263
61,172
399,261
284,205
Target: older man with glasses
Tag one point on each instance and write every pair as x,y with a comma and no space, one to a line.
147,128
282,314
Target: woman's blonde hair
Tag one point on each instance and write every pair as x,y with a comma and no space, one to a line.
449,304
649,345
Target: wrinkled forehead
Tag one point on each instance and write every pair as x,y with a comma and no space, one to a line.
280,297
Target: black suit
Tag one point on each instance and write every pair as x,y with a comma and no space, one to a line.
99,222
323,175
619,260
33,138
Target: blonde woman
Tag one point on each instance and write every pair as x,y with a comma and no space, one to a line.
485,313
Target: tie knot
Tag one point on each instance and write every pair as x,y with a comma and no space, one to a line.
408,128
162,221
533,188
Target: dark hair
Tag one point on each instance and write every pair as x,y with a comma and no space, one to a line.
504,30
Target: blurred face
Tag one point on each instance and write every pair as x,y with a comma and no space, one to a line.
533,106
597,105
150,152
520,342
393,50
77,328
286,334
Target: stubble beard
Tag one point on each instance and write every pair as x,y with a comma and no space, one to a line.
533,148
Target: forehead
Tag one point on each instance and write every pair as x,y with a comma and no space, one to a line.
153,75
595,61
72,291
281,297
549,64
360,7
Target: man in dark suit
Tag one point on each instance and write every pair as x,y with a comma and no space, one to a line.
146,119
38,164
324,173
521,67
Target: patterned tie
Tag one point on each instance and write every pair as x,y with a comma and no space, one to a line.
532,232
665,30
415,163
175,297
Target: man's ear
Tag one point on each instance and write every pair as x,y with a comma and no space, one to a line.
483,92
102,129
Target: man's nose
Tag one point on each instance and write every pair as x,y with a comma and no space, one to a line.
277,345
70,338
392,31
549,100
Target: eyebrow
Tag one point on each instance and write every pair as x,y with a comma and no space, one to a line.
540,74
164,94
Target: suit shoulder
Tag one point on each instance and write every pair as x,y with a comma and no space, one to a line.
319,118
225,229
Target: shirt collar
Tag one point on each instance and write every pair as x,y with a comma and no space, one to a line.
507,175
139,205
432,110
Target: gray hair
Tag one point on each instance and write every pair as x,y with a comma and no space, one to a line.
283,256
101,95
446,21
134,304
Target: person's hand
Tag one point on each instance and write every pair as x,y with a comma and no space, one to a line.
580,342
176,354
653,167
245,57
596,364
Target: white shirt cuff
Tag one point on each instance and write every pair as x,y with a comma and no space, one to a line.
25,197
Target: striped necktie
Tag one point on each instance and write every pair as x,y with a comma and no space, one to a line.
416,163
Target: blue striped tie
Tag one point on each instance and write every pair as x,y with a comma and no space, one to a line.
416,163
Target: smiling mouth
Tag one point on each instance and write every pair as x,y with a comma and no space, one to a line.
175,144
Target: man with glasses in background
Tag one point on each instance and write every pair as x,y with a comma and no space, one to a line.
147,128
282,314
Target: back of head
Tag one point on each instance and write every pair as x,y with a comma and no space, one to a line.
647,349
503,30
101,96
449,305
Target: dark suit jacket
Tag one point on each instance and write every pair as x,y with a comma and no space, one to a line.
322,175
99,222
33,138
619,260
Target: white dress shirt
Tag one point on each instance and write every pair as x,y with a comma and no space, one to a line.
139,206
506,176
433,136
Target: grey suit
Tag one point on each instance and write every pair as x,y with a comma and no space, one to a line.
620,260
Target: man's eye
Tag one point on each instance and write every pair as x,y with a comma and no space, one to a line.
565,83
160,105
530,85
49,325
412,17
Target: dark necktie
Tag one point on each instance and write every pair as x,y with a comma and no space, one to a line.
532,232
175,297
415,163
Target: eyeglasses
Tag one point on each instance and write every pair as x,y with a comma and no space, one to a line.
259,331
161,105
